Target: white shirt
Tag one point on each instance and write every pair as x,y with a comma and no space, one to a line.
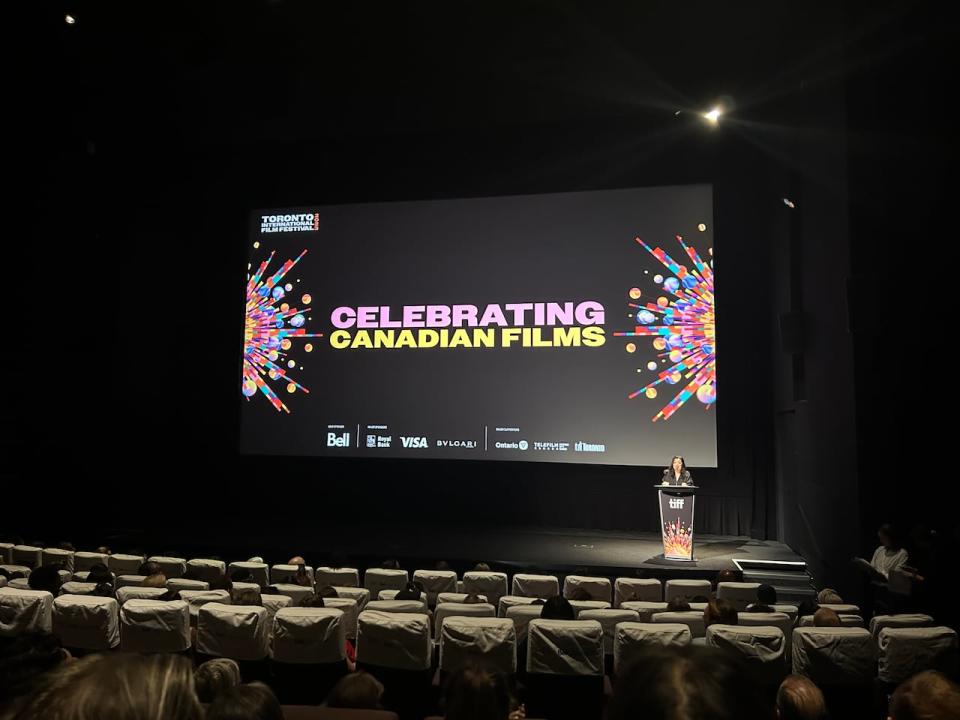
885,561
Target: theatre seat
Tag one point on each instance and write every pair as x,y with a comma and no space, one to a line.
631,639
396,649
834,656
564,668
580,605
309,653
77,588
904,620
129,580
239,632
178,584
693,619
351,611
121,564
397,606
598,588
83,561
196,599
488,639
6,553
688,589
135,592
435,582
775,619
492,585
609,618
645,609
377,579
296,593
25,611
288,574
761,649
86,622
27,555
447,610
535,586
845,621
457,597
273,604
359,595
392,595
151,626
521,615
56,556
643,589
508,601
258,571
906,651
16,571
738,594
337,577
173,567
207,569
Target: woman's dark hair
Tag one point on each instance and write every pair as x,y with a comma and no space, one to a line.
99,573
390,564
557,608
684,683
683,464
893,534
246,702
678,604
474,692
25,658
720,612
358,691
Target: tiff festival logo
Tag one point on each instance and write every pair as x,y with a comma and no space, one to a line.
676,503
293,222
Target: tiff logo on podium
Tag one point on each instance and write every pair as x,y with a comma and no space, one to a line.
676,503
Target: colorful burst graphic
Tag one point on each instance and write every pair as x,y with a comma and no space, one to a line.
680,319
272,324
677,540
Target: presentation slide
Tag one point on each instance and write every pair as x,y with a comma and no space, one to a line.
568,327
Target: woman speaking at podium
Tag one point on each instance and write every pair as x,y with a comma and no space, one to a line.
677,473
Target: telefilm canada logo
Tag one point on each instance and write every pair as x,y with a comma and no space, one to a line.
292,222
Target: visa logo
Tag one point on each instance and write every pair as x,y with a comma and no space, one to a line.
413,442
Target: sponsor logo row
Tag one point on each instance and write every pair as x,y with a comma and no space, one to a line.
378,437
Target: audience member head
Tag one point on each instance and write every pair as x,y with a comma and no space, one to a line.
99,573
727,575
269,590
719,612
799,699
328,591
390,564
66,545
925,696
302,577
472,599
889,537
684,683
156,580
829,596
255,559
149,568
104,550
357,691
410,592
759,608
678,604
254,701
246,596
296,560
442,565
45,577
25,658
214,677
481,567
474,692
312,601
826,617
116,687
557,608
578,593
766,595
699,599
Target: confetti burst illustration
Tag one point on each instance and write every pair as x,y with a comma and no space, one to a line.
677,540
681,322
272,324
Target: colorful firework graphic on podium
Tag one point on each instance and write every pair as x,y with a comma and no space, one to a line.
680,319
677,541
272,326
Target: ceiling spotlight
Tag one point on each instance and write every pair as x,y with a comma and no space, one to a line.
713,116
69,19
789,203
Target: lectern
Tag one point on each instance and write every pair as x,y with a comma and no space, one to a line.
676,520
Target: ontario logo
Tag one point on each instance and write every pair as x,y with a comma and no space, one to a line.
294,222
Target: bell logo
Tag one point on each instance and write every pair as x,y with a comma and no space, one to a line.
340,440
413,442
676,503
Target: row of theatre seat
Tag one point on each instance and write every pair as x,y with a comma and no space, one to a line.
619,618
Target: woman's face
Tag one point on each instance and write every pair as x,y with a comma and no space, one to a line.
677,464
884,538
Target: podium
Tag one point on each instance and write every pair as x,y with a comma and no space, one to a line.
676,520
